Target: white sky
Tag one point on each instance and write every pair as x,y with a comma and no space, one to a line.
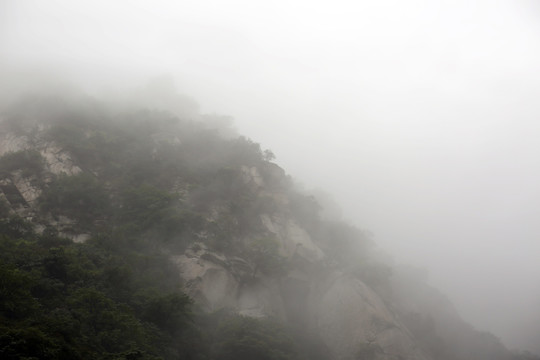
422,118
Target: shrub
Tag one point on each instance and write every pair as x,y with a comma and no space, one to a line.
79,197
30,161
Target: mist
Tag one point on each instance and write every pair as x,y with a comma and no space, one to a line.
420,119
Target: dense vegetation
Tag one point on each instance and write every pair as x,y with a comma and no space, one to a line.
61,300
143,185
146,183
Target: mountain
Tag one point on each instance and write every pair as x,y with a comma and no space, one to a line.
135,233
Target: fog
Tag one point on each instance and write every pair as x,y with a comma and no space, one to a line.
420,118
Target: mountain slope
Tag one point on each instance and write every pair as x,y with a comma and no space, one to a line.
157,207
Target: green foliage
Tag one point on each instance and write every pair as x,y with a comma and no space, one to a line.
110,327
151,183
70,134
146,206
157,214
245,152
263,252
4,208
268,155
245,338
29,343
231,336
80,197
169,312
16,300
15,226
80,301
222,232
30,161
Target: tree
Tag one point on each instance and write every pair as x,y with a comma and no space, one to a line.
268,155
245,338
80,197
263,252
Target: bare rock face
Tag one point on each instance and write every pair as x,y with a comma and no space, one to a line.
27,186
216,281
22,190
351,319
207,281
57,160
260,299
355,322
10,142
292,238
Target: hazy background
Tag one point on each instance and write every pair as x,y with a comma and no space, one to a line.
420,117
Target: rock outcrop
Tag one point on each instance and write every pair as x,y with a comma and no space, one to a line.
216,281
350,317
355,320
57,160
